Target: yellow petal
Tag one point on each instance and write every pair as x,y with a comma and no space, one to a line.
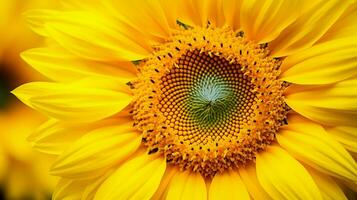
53,136
138,178
231,11
308,28
199,13
333,105
346,135
69,189
72,102
310,143
162,190
155,23
329,189
74,30
59,65
250,180
90,191
283,177
262,21
345,26
228,186
97,151
187,185
324,63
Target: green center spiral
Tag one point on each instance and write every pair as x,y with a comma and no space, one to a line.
211,100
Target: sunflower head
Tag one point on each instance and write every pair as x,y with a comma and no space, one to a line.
207,99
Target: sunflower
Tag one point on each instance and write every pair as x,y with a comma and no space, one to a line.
223,99
22,170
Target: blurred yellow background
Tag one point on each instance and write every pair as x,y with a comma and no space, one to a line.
23,172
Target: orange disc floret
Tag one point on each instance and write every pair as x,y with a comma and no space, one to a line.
209,100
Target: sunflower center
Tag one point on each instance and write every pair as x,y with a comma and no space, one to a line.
208,100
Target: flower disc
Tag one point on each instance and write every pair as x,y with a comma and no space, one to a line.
209,100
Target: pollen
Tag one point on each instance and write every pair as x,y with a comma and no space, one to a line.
209,100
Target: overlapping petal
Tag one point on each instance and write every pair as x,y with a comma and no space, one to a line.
309,27
156,24
231,12
332,105
329,189
199,13
70,189
138,178
324,63
346,135
81,102
97,151
53,136
162,190
283,177
88,35
263,21
310,143
60,65
187,185
250,179
345,26
227,186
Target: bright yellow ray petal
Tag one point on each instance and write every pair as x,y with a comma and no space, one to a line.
231,12
145,16
74,31
71,101
310,143
187,185
59,65
250,180
262,21
228,186
138,178
162,190
345,26
90,191
331,104
329,189
53,136
323,63
346,135
308,28
283,177
199,13
97,151
70,189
